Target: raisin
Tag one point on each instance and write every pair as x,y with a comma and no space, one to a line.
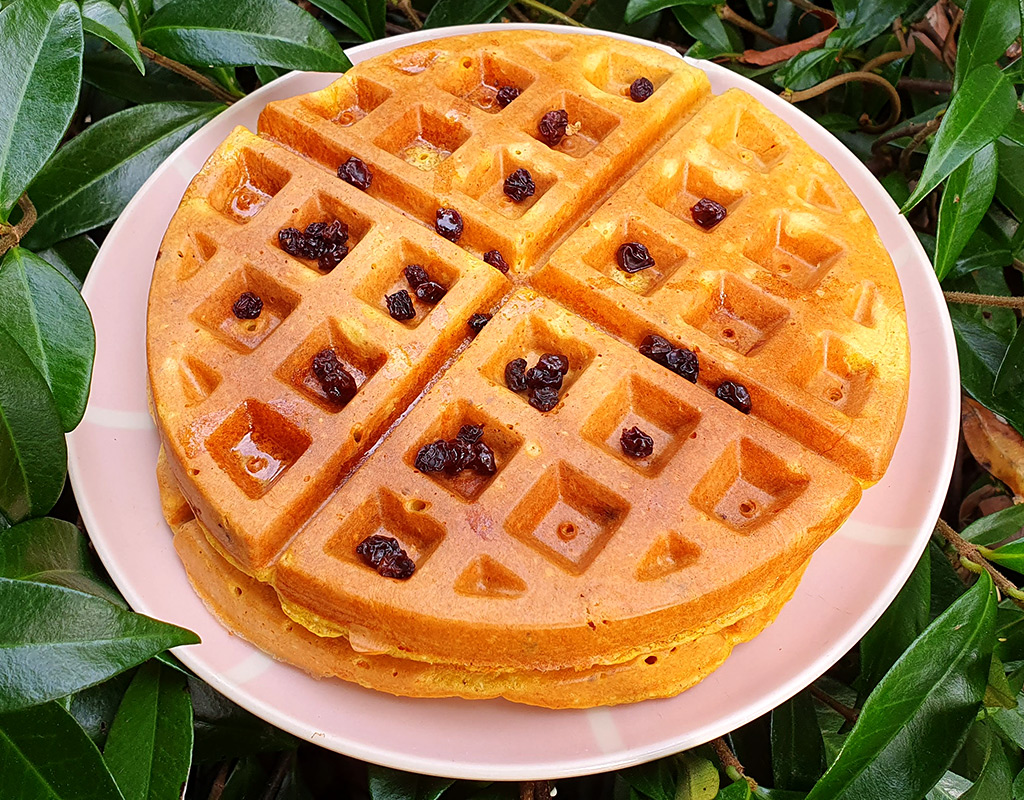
400,305
321,241
554,362
483,459
470,434
635,443
640,90
537,377
477,322
336,381
506,94
552,126
633,257
374,548
494,258
545,398
398,566
432,457
707,213
336,233
656,348
291,241
448,223
332,258
416,275
735,395
458,456
519,185
357,173
430,292
515,375
247,306
683,362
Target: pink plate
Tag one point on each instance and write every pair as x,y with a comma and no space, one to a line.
851,579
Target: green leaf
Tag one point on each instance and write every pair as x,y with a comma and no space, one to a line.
995,780
977,116
987,29
92,178
55,641
798,752
740,790
981,352
110,72
47,316
243,33
45,755
965,199
149,748
704,25
946,584
460,12
913,723
1018,786
225,730
268,74
655,779
391,784
47,550
698,778
95,707
998,693
1010,376
33,455
1009,187
72,258
865,19
638,9
807,69
348,17
1010,556
995,527
41,53
897,628
100,18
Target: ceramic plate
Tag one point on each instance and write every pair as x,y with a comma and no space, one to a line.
851,579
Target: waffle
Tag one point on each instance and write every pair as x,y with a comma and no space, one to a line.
556,579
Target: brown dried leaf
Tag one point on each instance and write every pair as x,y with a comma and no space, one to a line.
765,58
994,444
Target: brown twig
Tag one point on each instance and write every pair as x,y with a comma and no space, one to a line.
220,781
885,58
847,713
551,12
949,44
197,78
970,557
11,235
576,6
929,128
993,300
283,765
810,8
728,759
534,790
728,15
865,77
910,129
405,6
393,29
925,85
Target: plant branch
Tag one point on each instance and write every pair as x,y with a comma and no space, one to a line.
551,12
972,558
284,763
925,85
197,78
810,8
929,128
885,58
534,790
728,15
910,129
895,107
847,713
406,8
219,782
993,300
729,760
11,235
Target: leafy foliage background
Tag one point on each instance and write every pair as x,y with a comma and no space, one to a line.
95,94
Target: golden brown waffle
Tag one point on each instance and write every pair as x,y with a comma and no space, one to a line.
573,556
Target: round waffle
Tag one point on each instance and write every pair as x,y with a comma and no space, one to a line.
569,557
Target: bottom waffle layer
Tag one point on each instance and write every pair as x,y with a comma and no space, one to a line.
251,610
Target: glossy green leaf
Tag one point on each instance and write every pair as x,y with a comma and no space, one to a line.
950,787
149,748
1010,376
1018,786
49,550
998,693
243,33
704,25
807,69
225,730
798,752
1009,187
347,13
995,527
698,778
100,18
33,455
865,19
986,31
914,722
965,199
459,12
946,584
1010,556
268,74
45,755
72,258
93,176
995,782
110,71
55,641
47,316
638,9
981,352
95,707
777,794
392,784
977,116
41,54
897,628
655,779
740,790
